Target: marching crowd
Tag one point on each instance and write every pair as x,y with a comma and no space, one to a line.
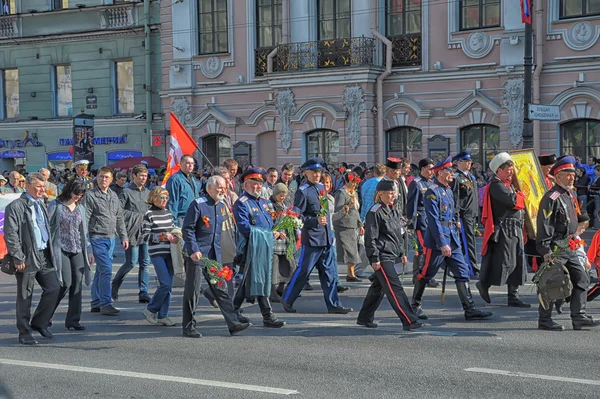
256,235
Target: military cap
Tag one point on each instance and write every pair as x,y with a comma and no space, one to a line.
393,163
425,161
81,162
385,185
443,164
547,159
566,164
253,174
463,155
315,164
499,160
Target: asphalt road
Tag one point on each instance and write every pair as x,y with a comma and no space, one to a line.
316,355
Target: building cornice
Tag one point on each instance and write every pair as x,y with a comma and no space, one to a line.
68,123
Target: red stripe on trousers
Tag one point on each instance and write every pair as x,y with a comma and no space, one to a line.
394,295
421,242
593,290
425,266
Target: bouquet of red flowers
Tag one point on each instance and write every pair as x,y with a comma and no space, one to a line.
324,203
288,222
217,272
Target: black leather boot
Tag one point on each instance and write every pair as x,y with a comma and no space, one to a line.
269,319
417,298
466,298
545,321
484,291
513,297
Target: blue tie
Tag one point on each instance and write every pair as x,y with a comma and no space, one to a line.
41,221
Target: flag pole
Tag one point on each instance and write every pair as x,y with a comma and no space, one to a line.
203,154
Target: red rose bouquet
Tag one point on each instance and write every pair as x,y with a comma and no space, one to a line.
288,222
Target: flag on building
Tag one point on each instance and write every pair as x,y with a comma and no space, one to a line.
181,144
4,200
526,11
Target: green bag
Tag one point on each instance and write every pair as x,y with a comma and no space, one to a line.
554,284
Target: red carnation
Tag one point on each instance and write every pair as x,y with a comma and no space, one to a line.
342,170
213,269
358,180
350,177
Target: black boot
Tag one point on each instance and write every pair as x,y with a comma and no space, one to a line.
417,298
484,291
274,297
558,305
466,298
269,319
513,297
545,321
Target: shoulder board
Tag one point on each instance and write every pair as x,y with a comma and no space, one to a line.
434,186
375,207
303,187
418,178
554,195
243,198
201,200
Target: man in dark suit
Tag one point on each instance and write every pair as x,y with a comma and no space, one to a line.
27,237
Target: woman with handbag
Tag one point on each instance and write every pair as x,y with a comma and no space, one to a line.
347,224
69,234
157,230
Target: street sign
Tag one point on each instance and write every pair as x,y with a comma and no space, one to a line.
539,112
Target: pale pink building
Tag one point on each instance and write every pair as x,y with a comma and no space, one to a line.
456,77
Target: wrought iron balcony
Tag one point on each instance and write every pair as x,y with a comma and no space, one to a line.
406,50
337,53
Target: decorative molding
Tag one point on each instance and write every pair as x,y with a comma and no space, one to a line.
117,17
401,118
477,45
181,108
258,113
319,121
284,103
513,102
354,105
269,124
212,113
581,110
317,105
562,98
212,67
476,97
580,35
250,40
477,116
10,27
400,100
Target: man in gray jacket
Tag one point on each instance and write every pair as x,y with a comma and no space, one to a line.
134,199
27,237
105,220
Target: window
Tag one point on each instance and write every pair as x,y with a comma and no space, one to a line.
217,149
11,93
213,26
334,19
124,87
63,90
60,4
580,138
403,16
482,140
9,7
268,24
405,142
476,14
324,144
579,8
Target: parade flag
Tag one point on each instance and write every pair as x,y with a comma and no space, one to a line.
181,144
4,200
526,11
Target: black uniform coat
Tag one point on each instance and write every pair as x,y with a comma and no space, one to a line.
504,261
383,240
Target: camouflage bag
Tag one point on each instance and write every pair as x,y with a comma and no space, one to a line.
553,284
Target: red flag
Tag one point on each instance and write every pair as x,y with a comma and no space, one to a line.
526,11
181,144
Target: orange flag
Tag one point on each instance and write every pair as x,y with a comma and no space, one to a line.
181,144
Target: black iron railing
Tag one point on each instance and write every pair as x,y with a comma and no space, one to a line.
260,60
406,50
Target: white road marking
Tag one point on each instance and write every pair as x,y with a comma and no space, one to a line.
122,373
528,375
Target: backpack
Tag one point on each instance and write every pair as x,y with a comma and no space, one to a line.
554,284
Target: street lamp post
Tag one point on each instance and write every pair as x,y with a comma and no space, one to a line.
528,64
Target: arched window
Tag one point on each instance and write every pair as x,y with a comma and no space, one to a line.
324,144
482,140
580,138
217,148
405,142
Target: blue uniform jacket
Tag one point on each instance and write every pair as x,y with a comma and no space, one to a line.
307,203
197,236
251,211
439,208
414,202
181,194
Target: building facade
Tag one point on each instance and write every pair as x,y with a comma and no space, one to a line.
60,58
274,81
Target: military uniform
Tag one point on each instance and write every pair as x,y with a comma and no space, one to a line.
415,212
317,246
201,232
465,198
252,212
384,244
557,221
442,232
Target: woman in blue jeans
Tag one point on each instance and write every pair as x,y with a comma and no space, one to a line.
156,229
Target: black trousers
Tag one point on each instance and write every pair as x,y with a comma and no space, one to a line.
48,281
386,281
468,224
72,275
193,278
240,295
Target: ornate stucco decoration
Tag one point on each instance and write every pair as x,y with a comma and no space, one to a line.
212,67
354,105
181,108
513,102
579,36
284,103
478,45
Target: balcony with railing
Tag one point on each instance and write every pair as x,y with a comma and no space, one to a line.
322,54
406,50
